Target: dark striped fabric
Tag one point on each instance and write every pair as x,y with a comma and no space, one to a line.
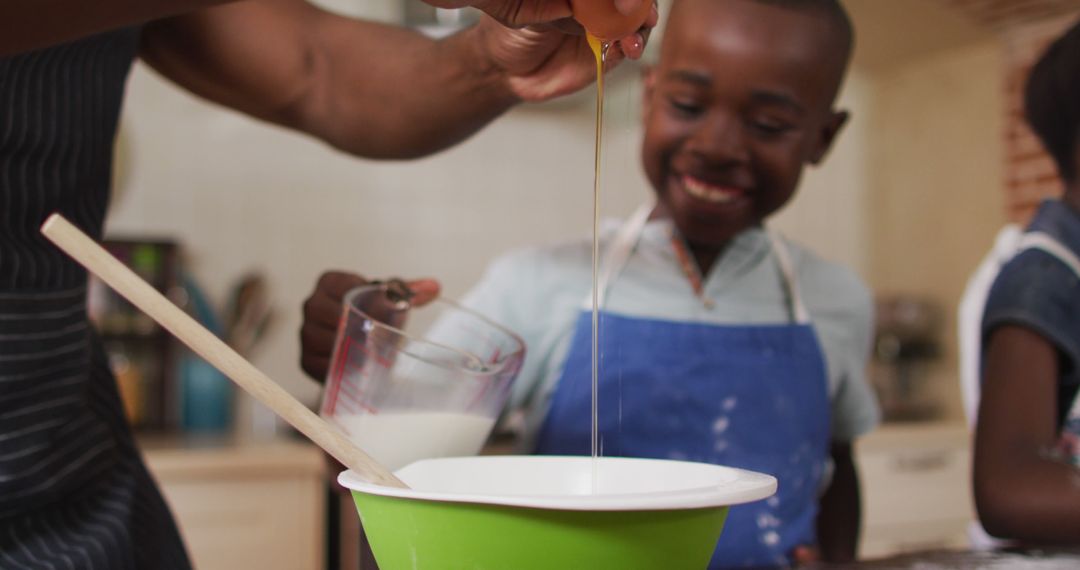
74,492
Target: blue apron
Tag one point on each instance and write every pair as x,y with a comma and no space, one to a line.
753,397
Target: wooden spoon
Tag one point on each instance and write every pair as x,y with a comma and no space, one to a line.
141,294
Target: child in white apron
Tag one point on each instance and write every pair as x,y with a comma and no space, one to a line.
1022,362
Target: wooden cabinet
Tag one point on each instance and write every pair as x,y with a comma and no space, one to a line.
916,488
244,505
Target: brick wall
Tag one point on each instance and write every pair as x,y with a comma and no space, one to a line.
1026,28
998,14
1031,175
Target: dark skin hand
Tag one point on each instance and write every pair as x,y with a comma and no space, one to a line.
369,89
558,12
333,77
323,310
1020,492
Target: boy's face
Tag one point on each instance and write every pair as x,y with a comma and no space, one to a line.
740,100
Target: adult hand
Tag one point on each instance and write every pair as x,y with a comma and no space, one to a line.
517,13
323,310
542,49
544,61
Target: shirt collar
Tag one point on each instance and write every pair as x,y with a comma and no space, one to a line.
743,253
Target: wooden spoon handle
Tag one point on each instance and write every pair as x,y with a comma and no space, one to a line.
141,294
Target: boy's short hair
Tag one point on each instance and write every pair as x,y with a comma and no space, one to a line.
838,20
832,10
1052,101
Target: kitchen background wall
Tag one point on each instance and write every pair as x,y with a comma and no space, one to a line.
910,197
936,199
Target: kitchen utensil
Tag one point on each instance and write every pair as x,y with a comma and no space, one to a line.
539,512
99,262
404,391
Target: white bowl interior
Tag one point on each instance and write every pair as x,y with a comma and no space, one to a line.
567,483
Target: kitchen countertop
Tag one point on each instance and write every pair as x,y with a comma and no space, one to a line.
187,456
905,435
1034,559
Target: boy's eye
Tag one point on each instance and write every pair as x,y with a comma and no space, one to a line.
770,126
683,106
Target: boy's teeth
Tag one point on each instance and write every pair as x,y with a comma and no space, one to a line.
703,191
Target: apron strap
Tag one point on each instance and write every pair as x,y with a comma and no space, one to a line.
787,269
618,253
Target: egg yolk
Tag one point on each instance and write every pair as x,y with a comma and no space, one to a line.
601,19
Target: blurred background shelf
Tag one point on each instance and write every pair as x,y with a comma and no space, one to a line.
144,356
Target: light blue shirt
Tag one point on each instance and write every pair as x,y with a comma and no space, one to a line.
539,292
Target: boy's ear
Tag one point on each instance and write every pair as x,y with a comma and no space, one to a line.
827,135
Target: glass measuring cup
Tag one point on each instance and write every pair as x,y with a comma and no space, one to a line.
408,383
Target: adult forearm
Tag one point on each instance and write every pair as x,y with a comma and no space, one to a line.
416,97
372,90
31,24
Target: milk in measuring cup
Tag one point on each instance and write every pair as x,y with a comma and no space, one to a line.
398,438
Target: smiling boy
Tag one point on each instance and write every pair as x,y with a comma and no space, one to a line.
719,341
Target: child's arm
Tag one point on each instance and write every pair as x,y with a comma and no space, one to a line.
1020,492
840,515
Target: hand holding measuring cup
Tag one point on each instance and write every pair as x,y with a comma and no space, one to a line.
322,312
407,382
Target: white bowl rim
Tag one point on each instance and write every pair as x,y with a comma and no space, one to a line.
743,486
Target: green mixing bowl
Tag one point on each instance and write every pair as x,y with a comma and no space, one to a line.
540,512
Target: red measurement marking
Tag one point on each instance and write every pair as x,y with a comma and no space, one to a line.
379,359
351,392
336,375
347,405
483,391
